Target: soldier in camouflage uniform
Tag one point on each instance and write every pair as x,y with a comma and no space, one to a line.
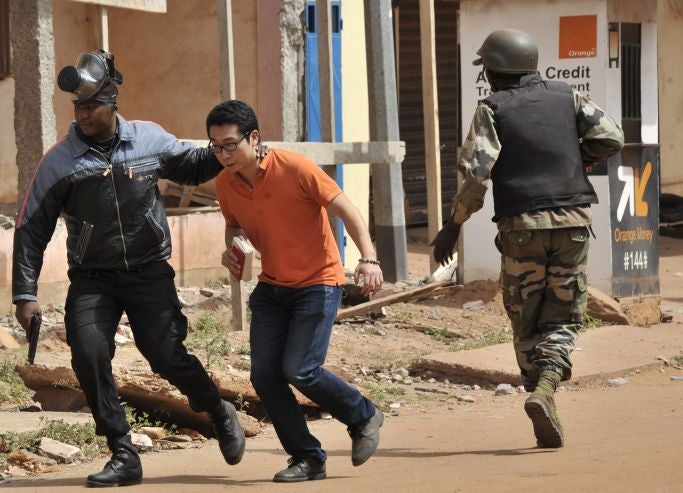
533,139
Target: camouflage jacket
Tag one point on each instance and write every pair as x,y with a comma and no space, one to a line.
600,136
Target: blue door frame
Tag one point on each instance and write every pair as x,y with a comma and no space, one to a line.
313,124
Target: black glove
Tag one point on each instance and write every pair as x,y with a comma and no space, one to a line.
444,242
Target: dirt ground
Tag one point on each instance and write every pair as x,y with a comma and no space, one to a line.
624,439
618,439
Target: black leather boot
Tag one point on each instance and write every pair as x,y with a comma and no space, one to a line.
124,468
228,431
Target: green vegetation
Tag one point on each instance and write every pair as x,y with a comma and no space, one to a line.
139,419
380,394
217,283
442,335
677,360
79,435
490,338
592,323
242,404
12,388
209,337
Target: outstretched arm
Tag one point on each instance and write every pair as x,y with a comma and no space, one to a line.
342,207
477,157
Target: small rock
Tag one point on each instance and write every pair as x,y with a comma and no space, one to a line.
465,398
446,381
403,372
476,387
33,407
142,442
43,461
179,438
431,380
521,389
17,472
208,292
418,379
125,331
121,340
194,434
154,432
245,357
408,381
61,452
617,382
395,405
472,305
677,378
397,378
380,332
6,339
505,389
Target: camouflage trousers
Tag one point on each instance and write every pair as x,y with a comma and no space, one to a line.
543,276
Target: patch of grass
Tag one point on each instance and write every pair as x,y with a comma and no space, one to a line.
490,338
210,337
12,388
677,360
79,435
217,283
380,394
441,334
139,419
243,350
592,323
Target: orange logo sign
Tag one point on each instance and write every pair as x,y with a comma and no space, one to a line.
578,36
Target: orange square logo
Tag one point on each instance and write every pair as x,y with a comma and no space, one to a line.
578,36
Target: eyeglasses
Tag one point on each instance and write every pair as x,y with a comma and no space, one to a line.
229,147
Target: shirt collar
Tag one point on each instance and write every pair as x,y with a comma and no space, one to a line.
80,147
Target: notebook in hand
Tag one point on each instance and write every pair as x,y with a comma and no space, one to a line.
244,251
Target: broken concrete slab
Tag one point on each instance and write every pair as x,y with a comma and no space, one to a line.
61,452
601,353
57,387
603,307
7,341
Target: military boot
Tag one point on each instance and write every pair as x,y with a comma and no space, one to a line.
226,426
124,468
540,407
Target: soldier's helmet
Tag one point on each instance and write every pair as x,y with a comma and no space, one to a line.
508,51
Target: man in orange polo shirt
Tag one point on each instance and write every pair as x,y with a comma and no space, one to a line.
278,200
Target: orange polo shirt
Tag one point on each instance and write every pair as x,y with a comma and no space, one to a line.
283,216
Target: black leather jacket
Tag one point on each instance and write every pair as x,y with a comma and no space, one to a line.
113,211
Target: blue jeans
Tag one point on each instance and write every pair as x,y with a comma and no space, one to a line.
290,334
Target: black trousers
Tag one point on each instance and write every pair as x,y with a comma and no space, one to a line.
95,302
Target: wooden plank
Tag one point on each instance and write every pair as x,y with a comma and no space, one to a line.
412,294
431,121
157,6
226,56
390,152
